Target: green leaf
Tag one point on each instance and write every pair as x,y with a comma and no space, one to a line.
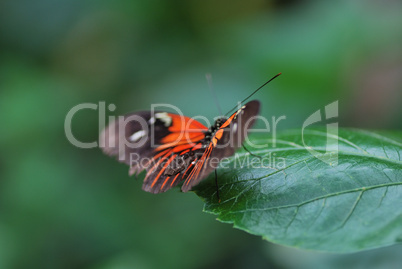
338,201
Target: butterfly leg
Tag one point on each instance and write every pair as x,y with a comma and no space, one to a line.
254,155
250,152
217,187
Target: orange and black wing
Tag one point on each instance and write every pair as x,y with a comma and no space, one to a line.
164,144
174,148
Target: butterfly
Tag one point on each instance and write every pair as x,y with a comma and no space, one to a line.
174,148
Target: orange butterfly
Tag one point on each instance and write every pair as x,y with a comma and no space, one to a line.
174,148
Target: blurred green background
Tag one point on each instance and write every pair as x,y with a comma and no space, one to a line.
66,207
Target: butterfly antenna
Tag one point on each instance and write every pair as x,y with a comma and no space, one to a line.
259,88
208,76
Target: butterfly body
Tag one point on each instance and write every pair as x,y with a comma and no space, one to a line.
174,148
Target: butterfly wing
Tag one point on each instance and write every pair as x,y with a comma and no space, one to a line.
173,148
224,143
162,143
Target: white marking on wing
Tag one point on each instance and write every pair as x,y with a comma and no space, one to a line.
136,136
163,116
240,110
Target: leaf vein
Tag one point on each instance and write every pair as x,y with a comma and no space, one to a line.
383,196
291,221
321,197
352,209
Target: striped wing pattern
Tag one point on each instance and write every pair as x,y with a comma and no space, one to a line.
181,152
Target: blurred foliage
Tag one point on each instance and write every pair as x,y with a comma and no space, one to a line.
65,207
